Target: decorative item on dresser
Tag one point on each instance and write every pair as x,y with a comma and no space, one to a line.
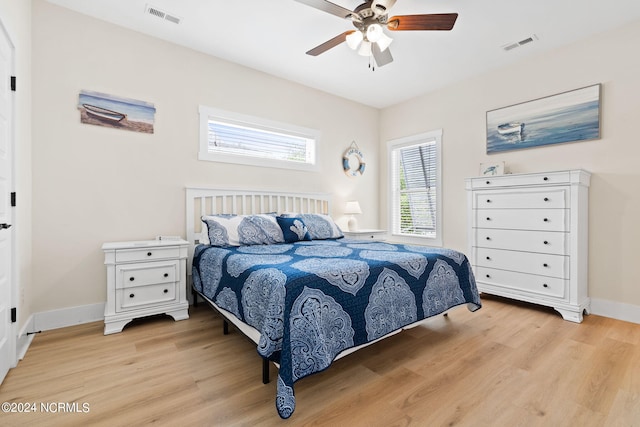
145,278
528,237
371,235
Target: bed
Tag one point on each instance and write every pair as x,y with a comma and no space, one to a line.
277,267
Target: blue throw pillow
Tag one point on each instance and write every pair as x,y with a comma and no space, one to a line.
293,229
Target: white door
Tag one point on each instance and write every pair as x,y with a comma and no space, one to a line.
7,337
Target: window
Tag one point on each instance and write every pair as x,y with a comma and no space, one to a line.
415,188
236,138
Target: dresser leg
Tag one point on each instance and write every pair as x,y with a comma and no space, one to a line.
571,316
115,327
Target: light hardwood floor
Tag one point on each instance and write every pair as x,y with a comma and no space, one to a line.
508,364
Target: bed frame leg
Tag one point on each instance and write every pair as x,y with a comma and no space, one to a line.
194,294
225,327
265,371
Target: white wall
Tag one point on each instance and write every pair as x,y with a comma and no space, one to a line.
92,184
611,59
16,18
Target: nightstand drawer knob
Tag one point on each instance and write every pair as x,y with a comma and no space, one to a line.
149,253
488,219
545,285
166,291
488,238
488,182
166,274
488,276
545,242
488,200
489,258
132,295
131,279
545,265
546,220
545,178
546,199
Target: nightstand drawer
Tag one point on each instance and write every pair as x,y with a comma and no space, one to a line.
139,296
149,273
146,254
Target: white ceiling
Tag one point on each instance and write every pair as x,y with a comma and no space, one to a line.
273,35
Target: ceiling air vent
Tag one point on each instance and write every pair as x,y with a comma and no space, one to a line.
152,10
510,46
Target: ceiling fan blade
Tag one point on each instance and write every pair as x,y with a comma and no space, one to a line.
329,44
380,7
328,7
381,57
435,21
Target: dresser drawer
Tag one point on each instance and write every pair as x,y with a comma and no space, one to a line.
550,178
551,242
523,262
525,198
146,254
530,283
148,273
140,296
522,219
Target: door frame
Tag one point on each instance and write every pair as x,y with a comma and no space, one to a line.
12,278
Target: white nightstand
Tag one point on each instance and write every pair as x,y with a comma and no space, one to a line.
144,278
371,235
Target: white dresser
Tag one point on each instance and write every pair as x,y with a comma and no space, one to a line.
144,278
528,237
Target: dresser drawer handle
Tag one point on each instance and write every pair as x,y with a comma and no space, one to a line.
546,220
488,219
166,274
489,258
488,182
545,178
545,265
545,242
149,254
131,295
546,199
544,285
166,291
488,276
488,238
488,200
131,279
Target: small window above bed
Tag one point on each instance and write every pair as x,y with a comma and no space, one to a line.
241,139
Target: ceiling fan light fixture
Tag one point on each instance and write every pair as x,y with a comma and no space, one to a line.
354,39
365,48
374,32
383,42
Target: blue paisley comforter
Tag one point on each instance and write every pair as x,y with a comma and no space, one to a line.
310,300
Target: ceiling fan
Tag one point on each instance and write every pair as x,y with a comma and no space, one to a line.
370,19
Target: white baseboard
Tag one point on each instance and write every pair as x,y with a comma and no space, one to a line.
54,319
616,310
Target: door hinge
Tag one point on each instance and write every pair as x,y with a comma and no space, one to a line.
14,315
13,83
13,199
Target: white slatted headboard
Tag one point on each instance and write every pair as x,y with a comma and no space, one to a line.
212,201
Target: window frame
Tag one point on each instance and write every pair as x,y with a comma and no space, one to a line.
255,123
393,205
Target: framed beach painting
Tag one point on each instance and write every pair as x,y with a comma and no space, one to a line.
565,117
101,109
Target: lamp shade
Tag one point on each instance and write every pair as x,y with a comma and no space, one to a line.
352,207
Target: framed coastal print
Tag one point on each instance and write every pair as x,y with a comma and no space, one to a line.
565,117
106,110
